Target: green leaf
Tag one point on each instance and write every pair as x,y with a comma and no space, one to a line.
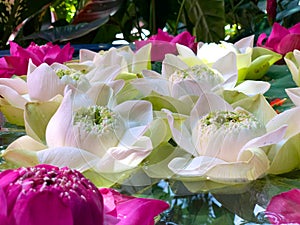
159,132
67,33
15,12
280,78
232,96
166,102
258,67
262,59
12,114
291,8
97,179
207,17
37,116
288,152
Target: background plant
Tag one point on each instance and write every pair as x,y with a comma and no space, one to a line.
96,21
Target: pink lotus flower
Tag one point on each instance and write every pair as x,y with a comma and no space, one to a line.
281,40
284,208
17,62
131,210
164,43
49,195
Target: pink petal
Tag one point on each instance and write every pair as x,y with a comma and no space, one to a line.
289,43
5,70
66,53
159,48
164,43
184,38
10,176
51,55
162,36
37,50
13,48
276,35
19,64
87,210
3,208
45,208
261,38
17,50
284,208
108,201
56,54
132,210
295,29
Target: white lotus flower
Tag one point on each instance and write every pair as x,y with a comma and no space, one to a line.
129,61
252,62
225,144
230,64
83,135
212,52
179,79
294,95
45,83
292,60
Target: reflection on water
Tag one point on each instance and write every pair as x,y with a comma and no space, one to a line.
277,219
239,204
8,133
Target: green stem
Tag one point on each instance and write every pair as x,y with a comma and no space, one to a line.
153,17
178,17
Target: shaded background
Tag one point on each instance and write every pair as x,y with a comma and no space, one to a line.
98,21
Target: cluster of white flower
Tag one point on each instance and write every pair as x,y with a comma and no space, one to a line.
112,113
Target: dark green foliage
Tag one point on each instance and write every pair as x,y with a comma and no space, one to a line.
12,14
80,22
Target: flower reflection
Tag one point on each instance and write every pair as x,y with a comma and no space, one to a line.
284,208
224,143
48,195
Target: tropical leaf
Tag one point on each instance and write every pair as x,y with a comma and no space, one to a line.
68,32
91,14
90,10
208,19
13,13
288,9
280,78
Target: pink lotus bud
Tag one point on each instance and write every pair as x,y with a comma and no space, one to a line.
281,40
49,195
164,43
17,62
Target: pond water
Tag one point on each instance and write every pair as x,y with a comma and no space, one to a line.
200,202
236,204
207,202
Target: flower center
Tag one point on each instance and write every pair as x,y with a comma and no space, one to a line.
96,119
222,134
45,177
74,74
200,73
230,120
